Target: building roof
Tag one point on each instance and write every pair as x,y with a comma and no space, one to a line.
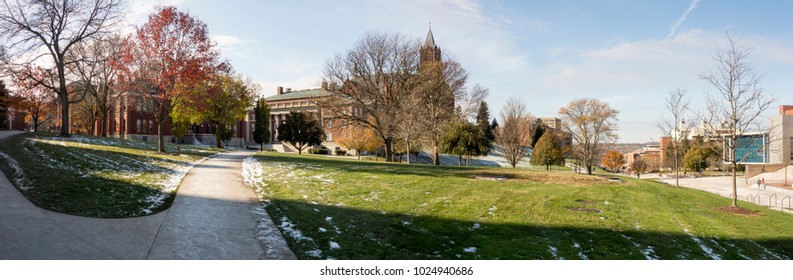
430,42
299,94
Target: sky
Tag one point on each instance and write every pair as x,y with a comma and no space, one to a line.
630,54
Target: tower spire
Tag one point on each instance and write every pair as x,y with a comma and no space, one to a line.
430,41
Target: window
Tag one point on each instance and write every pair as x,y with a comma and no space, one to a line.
330,124
330,136
151,126
138,104
138,128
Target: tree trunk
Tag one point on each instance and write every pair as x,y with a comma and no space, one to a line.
64,96
388,151
104,124
677,169
217,138
358,153
160,141
435,155
734,184
407,143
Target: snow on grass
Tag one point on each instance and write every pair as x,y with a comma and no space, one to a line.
475,227
491,210
648,252
288,228
334,245
705,248
470,250
322,229
316,253
19,175
170,184
769,253
554,252
580,253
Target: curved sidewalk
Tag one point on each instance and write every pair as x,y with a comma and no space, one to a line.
214,216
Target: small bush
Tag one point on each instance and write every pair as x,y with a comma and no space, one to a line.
319,151
341,152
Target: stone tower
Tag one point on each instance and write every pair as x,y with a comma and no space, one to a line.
430,53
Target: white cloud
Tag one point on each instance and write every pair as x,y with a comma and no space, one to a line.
691,6
139,11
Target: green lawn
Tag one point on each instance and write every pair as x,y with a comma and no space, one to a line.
347,209
93,176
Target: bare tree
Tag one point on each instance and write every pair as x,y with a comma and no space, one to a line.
470,101
676,106
45,31
591,122
737,103
96,64
442,84
374,78
513,136
410,122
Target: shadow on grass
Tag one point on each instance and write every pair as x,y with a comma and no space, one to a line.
363,234
90,182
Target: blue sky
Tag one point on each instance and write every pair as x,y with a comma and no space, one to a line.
548,53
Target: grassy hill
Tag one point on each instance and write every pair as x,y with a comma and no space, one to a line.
340,209
93,176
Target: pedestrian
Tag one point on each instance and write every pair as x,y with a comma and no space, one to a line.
758,183
763,179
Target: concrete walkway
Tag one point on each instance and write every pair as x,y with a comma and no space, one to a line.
770,196
214,216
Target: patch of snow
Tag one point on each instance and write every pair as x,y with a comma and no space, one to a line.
554,252
288,228
470,250
314,253
772,254
406,223
334,246
328,219
580,253
322,229
170,184
606,202
648,252
475,227
19,176
491,210
702,246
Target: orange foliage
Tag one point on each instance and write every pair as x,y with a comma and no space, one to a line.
613,160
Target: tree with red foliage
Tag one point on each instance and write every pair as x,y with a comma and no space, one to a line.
165,59
39,104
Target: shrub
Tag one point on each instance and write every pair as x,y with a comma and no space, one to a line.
319,151
341,152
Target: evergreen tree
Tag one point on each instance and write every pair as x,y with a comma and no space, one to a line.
262,115
547,151
3,106
482,118
301,131
493,126
539,132
463,138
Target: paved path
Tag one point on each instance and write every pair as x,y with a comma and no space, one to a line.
771,196
214,216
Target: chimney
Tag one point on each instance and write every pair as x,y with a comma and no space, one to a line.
324,85
288,90
280,90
